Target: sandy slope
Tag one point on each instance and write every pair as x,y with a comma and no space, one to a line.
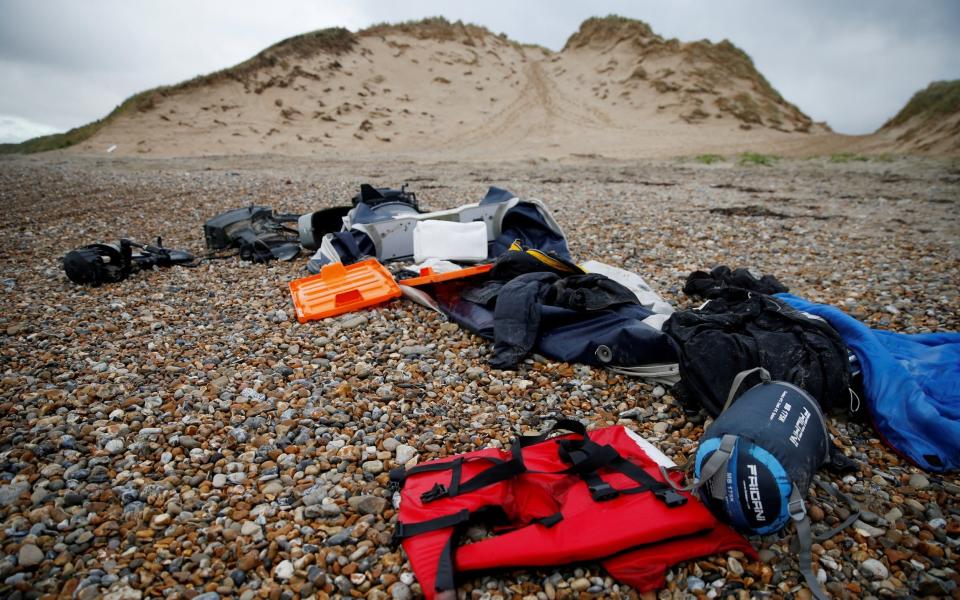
460,92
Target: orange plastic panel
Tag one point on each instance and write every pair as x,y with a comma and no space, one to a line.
428,276
340,288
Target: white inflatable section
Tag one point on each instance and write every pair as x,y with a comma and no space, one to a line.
650,450
646,295
438,266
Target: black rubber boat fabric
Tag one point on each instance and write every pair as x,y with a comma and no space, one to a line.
563,316
739,330
520,301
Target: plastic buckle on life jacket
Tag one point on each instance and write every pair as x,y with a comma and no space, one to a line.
603,491
670,497
435,493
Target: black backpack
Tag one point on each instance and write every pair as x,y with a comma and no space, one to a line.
739,330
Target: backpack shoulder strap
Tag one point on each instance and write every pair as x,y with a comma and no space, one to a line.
805,538
738,381
715,464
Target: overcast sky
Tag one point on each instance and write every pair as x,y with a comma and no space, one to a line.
852,64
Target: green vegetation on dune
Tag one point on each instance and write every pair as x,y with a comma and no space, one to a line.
435,28
334,40
56,141
610,27
439,28
708,159
755,158
939,98
845,157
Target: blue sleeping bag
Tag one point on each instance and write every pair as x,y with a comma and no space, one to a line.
912,384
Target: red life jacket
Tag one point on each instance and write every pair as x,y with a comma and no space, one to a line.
571,498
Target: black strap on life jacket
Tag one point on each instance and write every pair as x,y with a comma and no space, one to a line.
500,471
515,466
403,531
399,475
549,520
459,521
588,457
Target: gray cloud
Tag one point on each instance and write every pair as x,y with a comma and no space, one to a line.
852,64
15,129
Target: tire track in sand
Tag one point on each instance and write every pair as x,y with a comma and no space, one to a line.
539,107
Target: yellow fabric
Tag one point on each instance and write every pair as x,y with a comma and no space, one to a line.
546,259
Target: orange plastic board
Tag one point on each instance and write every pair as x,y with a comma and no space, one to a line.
428,276
340,288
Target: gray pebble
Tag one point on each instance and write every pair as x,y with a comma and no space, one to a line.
695,584
400,591
29,556
874,569
368,505
188,442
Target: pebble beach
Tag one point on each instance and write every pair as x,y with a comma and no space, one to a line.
181,435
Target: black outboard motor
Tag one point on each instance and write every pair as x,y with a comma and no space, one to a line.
96,264
370,205
313,226
256,231
374,197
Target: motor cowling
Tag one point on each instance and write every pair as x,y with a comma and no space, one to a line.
96,264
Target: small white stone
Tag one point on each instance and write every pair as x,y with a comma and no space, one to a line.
405,453
734,565
114,446
284,570
374,467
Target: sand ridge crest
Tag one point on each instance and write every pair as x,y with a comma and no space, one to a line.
438,89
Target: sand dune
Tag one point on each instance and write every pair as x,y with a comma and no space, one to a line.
435,89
